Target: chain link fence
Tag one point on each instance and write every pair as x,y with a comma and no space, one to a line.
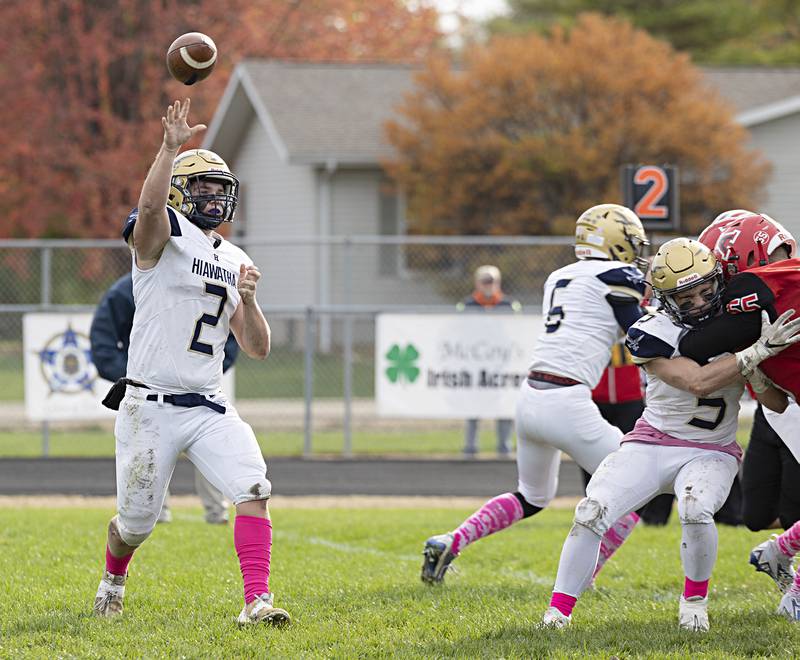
321,298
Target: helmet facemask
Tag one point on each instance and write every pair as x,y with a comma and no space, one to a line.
195,205
639,246
685,314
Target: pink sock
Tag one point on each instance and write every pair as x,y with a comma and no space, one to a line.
789,541
563,603
117,565
692,588
795,588
252,538
498,513
614,538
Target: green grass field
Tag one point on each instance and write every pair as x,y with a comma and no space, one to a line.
101,443
350,579
410,443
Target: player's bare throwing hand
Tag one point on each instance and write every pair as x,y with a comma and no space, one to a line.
191,288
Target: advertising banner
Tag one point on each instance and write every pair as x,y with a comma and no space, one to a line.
452,365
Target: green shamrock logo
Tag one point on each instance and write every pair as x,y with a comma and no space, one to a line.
402,363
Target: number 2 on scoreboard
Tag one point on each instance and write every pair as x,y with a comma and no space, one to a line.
648,206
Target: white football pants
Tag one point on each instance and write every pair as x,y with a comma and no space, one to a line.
553,420
787,426
149,437
629,478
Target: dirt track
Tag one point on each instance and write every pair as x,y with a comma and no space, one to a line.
293,476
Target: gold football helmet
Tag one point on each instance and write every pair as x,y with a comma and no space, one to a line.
680,265
208,210
611,231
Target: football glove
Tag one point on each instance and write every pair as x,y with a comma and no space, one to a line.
774,338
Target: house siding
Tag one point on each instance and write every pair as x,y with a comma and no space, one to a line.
357,201
779,140
279,200
363,204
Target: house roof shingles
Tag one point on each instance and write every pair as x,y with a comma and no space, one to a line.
330,111
336,112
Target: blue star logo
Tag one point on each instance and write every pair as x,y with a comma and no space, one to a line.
66,362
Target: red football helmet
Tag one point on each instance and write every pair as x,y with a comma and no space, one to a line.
710,234
746,241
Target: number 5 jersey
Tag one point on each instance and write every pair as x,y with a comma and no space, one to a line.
710,419
588,305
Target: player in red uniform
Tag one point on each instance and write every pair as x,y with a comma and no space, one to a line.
757,256
760,246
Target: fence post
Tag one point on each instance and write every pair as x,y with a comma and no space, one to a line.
46,295
45,438
46,276
347,449
308,385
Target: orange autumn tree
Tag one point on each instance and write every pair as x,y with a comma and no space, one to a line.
532,130
86,84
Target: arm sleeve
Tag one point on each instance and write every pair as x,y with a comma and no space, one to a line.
627,310
130,222
734,329
644,347
624,283
231,353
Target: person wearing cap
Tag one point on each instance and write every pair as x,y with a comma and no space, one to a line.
487,295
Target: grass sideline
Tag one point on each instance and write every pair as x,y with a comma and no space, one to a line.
350,579
281,377
98,443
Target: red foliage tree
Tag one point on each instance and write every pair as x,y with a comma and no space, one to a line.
86,82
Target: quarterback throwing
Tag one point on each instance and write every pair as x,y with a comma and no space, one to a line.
191,288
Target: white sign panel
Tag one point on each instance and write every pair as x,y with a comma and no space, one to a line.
467,365
61,382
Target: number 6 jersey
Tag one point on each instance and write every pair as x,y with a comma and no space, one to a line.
682,415
184,306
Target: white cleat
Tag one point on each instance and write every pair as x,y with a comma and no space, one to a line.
554,618
790,606
110,594
767,558
693,613
261,610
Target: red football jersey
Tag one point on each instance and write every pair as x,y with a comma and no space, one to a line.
621,381
782,280
774,288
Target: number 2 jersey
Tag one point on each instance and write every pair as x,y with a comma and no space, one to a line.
774,288
184,306
587,307
677,413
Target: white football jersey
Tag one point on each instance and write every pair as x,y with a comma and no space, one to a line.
184,306
711,419
580,324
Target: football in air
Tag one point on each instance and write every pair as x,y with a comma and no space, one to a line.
191,57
